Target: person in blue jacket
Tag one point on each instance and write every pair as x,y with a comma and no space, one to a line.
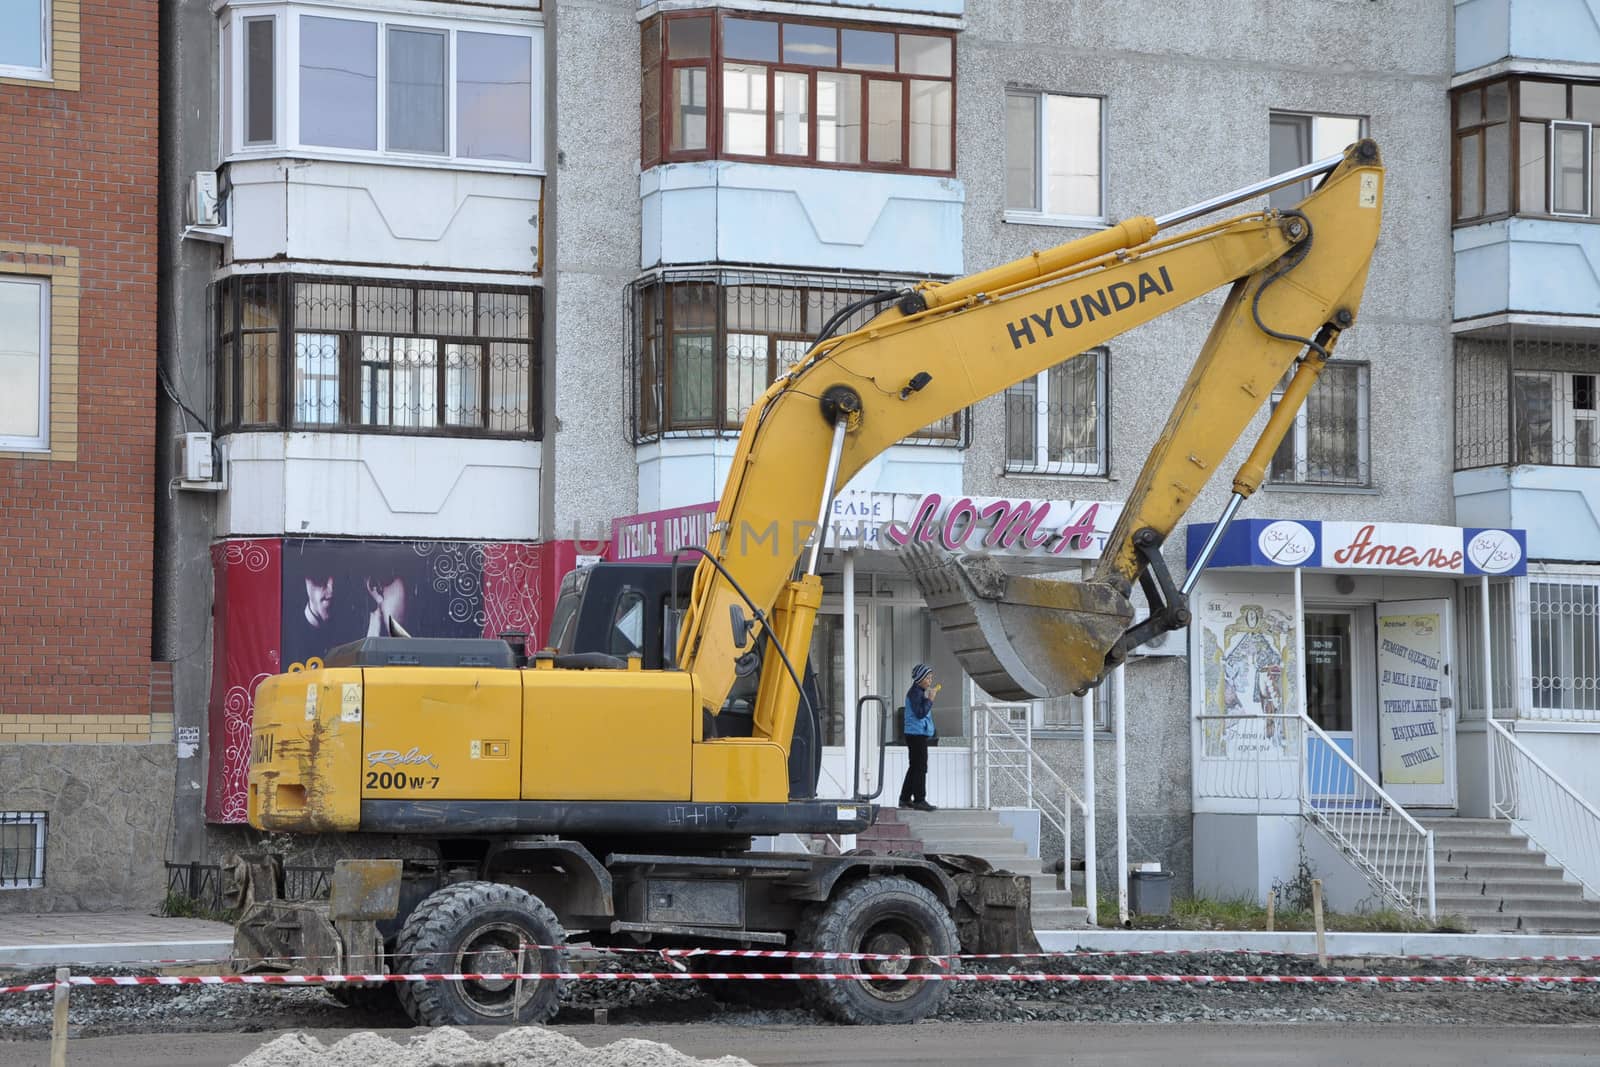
919,734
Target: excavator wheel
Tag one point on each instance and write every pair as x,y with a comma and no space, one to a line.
476,927
891,915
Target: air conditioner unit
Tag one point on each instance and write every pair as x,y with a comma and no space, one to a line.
203,207
1171,643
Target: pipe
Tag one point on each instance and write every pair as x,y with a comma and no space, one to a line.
851,688
1091,839
1119,723
1488,687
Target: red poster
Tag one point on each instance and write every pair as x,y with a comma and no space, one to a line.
245,617
511,590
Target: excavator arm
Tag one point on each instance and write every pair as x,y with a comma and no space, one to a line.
1296,282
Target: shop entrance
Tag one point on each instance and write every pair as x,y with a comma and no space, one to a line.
891,634
1338,693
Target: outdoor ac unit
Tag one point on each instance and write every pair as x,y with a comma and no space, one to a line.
203,206
1171,643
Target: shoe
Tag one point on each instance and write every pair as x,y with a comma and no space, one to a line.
923,805
906,803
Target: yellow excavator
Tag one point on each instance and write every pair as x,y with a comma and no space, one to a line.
501,801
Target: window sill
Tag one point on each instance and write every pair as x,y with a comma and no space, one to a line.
32,448
24,74
1069,222
1057,476
1297,487
273,152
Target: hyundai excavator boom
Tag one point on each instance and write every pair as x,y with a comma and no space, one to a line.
1296,280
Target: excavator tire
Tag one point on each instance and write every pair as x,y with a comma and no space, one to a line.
368,999
476,927
891,915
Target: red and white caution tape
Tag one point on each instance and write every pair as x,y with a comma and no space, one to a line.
942,976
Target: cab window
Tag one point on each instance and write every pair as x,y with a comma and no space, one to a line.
627,625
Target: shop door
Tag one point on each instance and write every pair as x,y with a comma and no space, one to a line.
1416,713
1331,701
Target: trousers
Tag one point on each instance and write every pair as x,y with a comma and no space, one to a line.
915,787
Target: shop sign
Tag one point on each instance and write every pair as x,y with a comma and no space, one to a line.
1386,547
654,537
1071,529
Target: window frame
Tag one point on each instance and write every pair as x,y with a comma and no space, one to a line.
1307,185
1514,121
1042,466
1299,432
652,331
41,820
287,92
713,64
1047,727
1042,216
39,442
41,73
228,328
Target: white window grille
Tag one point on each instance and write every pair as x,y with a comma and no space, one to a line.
1564,646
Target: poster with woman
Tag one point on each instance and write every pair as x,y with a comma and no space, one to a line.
1250,667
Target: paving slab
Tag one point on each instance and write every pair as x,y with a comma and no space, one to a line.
35,940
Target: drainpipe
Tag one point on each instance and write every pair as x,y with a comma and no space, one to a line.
547,259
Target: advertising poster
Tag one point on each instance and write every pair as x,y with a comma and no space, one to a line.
1411,713
1248,650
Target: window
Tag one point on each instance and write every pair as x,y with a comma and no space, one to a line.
1056,421
260,94
24,363
1502,639
740,86
22,840
1525,145
1053,155
1555,418
414,88
706,345
377,356
1066,712
1564,641
1327,443
1300,139
25,38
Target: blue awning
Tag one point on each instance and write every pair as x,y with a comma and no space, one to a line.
1380,547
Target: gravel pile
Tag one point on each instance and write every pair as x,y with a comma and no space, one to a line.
255,1008
447,1047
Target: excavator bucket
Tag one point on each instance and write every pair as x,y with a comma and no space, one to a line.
1019,638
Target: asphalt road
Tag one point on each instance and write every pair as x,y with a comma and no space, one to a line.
994,1045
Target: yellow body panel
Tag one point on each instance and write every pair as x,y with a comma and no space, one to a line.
608,735
305,754
442,733
740,770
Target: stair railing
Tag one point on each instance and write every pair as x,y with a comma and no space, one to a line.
1366,825
1544,808
1007,766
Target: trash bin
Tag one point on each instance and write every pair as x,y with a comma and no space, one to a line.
1150,891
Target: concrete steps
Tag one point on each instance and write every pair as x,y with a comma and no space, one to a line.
1496,881
977,832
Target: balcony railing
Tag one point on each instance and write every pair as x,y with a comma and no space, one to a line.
1526,400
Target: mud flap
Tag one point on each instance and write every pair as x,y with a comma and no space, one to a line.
994,909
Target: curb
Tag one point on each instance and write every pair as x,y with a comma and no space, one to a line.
13,956
1338,944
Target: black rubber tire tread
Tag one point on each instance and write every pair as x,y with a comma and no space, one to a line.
426,941
836,927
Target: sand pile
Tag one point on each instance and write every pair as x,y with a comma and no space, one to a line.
529,1046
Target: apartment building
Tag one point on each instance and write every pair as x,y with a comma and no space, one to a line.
85,710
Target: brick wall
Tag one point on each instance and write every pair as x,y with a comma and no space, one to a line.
78,191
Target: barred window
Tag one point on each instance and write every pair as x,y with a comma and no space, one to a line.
22,840
1056,421
377,356
1564,642
1530,399
1066,712
706,345
1328,442
1502,648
